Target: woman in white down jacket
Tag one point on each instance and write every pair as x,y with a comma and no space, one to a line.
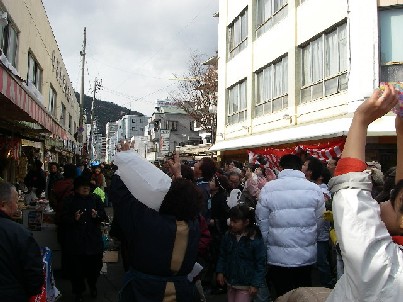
373,259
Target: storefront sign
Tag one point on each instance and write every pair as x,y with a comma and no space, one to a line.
164,141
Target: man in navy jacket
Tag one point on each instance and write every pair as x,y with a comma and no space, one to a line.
21,274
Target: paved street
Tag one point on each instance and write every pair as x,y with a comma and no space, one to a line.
108,286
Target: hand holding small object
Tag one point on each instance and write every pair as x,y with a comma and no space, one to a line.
94,213
175,166
77,215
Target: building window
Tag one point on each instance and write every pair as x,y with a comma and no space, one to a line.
237,103
133,120
272,88
34,72
238,34
9,42
391,56
63,116
141,129
141,121
269,13
170,125
70,124
52,100
324,65
133,128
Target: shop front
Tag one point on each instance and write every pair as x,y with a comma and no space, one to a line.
25,124
324,140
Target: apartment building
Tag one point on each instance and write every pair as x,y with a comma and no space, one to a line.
294,71
131,125
39,110
170,127
111,140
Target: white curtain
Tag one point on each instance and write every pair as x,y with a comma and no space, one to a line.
285,75
317,59
242,96
237,33
331,54
278,78
342,33
244,26
306,65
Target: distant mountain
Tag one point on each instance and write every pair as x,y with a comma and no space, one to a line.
104,112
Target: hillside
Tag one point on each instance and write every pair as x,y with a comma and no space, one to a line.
104,112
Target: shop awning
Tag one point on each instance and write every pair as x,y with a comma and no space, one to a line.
17,107
334,128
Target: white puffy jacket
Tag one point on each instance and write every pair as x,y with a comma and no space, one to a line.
373,263
288,213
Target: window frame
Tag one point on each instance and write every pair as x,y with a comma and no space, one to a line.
276,16
37,72
5,41
268,73
327,84
52,101
233,49
240,114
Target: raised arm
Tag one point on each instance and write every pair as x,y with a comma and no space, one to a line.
370,110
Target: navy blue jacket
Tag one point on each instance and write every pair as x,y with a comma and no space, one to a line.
242,262
150,237
21,266
83,237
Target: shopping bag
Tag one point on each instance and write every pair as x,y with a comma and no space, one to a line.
145,181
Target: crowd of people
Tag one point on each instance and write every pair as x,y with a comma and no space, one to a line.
253,232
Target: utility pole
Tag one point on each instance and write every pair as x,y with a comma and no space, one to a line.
97,85
81,121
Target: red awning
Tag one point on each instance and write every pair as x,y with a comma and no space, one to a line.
26,108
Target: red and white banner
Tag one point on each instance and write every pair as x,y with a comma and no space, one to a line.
14,92
322,150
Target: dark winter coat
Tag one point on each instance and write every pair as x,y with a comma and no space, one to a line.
242,262
83,237
151,237
21,274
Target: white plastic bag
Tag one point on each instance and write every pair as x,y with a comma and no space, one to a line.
233,198
145,181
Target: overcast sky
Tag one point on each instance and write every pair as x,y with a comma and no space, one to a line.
134,46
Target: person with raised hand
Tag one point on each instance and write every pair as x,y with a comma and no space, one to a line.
157,217
373,260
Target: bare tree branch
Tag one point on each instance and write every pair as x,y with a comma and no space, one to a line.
197,92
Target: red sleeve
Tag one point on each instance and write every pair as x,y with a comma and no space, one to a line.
349,164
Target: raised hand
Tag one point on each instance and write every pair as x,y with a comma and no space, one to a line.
377,105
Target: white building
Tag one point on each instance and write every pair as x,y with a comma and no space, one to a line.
131,125
169,128
295,71
111,140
